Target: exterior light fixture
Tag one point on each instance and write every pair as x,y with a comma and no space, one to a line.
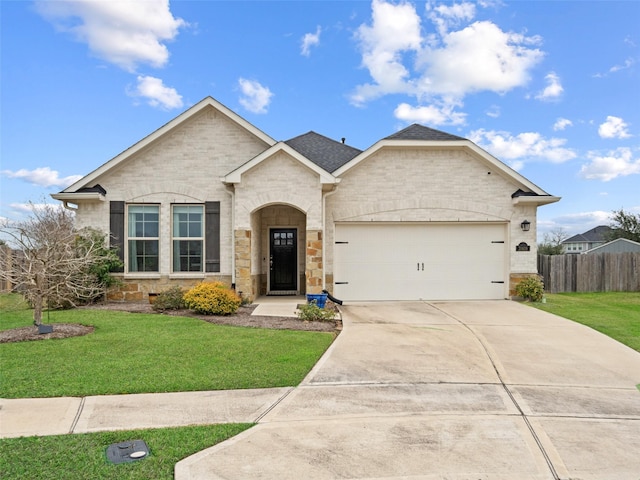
525,226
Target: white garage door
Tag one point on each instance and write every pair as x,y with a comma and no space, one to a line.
420,261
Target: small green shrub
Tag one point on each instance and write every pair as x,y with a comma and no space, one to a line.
531,288
170,299
311,312
212,299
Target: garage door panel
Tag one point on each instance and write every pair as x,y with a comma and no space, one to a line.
420,261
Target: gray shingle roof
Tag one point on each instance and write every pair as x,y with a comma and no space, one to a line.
323,151
594,235
420,132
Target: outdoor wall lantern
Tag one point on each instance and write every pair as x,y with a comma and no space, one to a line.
525,226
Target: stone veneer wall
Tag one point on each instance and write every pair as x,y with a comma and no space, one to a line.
244,280
313,264
134,290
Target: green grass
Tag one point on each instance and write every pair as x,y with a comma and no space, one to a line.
616,314
83,456
148,353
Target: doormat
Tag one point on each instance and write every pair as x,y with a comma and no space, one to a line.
125,452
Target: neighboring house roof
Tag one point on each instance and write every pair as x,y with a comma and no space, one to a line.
596,234
323,151
619,245
420,132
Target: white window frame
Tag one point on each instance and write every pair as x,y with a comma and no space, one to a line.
131,238
175,238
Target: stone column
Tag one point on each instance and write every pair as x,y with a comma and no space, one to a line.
243,263
313,263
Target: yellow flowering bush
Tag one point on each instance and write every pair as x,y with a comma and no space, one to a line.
212,299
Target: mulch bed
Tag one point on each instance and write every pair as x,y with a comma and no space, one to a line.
242,318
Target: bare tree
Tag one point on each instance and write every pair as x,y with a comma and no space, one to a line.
552,243
54,264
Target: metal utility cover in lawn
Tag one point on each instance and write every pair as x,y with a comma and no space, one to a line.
125,452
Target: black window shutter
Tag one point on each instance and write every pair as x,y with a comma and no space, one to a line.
116,229
212,236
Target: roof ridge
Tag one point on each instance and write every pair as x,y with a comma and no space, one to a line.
417,131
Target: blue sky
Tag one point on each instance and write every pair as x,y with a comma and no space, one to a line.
551,88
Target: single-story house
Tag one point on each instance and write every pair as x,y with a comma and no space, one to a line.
584,242
421,214
619,245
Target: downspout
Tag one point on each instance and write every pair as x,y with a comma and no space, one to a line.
65,204
231,191
324,234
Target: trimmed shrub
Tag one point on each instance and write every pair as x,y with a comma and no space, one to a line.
170,299
531,288
212,299
311,312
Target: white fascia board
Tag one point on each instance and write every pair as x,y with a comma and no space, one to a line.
535,200
78,197
146,141
236,175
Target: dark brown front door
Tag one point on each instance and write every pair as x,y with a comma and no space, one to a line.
283,260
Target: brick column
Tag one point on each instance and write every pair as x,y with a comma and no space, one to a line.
313,263
243,263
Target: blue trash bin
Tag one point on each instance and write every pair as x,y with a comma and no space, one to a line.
319,298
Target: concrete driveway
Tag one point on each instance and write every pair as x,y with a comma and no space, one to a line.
460,390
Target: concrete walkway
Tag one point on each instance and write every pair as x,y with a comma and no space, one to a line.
445,390
465,390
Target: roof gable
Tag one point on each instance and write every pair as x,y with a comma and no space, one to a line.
236,175
419,136
323,151
207,102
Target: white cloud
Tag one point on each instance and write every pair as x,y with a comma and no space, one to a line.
617,163
628,63
125,33
562,123
446,16
429,114
480,57
256,98
156,93
553,90
613,127
43,177
521,147
493,111
310,40
441,67
394,29
34,207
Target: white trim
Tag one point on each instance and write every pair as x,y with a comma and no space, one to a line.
194,110
74,197
236,175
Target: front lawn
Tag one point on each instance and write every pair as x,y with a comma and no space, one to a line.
149,353
616,314
82,456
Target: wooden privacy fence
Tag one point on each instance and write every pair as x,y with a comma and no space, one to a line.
594,272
